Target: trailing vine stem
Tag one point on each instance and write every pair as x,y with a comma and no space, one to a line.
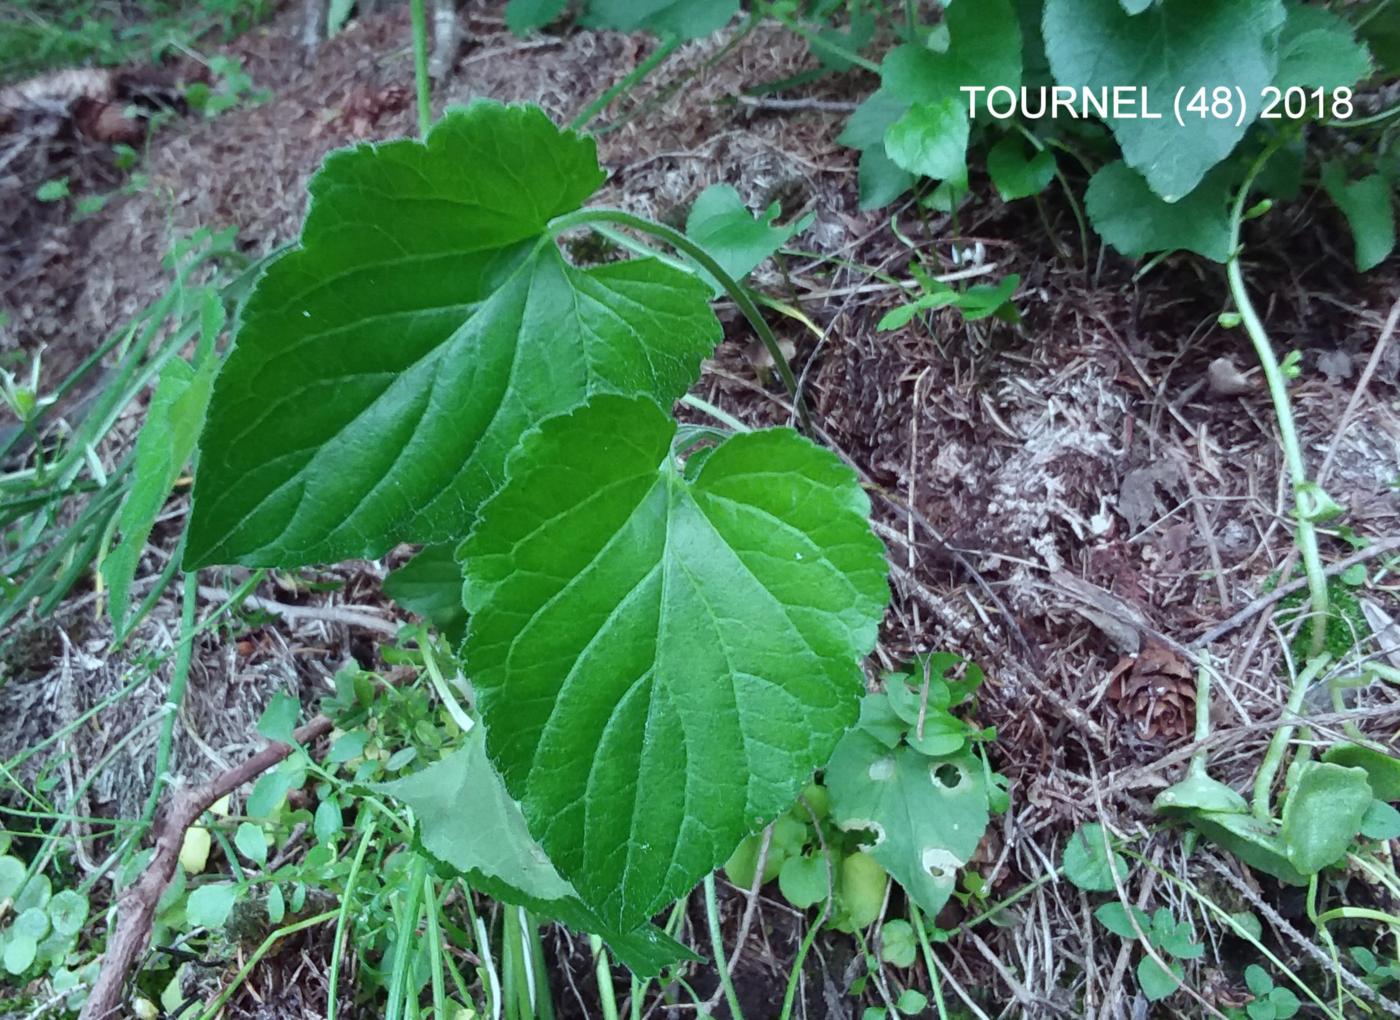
1273,757
1283,411
736,291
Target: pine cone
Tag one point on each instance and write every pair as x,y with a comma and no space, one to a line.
1156,691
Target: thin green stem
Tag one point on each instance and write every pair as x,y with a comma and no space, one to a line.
602,971
216,1007
818,42
1283,410
668,46
420,65
342,923
400,977
717,944
737,292
434,934
1273,757
1203,682
179,681
926,948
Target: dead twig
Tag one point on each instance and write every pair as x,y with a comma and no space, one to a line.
136,907
328,614
1263,602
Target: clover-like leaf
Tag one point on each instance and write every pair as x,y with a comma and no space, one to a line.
467,821
662,660
384,369
927,815
1172,50
1088,863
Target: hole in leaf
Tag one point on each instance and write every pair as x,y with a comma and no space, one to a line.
941,864
948,775
869,834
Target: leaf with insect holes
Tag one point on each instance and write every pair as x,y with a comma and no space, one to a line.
721,224
927,815
1323,814
663,657
386,366
1130,217
922,109
1369,208
468,821
1172,50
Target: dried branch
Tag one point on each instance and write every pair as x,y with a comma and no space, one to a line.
136,907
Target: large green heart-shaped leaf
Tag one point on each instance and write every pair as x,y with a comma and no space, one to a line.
468,821
385,368
1323,814
662,658
1173,48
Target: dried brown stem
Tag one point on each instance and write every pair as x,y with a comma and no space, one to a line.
136,907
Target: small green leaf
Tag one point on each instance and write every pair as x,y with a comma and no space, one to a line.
279,720
1157,983
276,905
55,190
1381,821
1182,46
1382,770
327,823
721,224
67,911
1369,210
1285,1003
251,842
430,585
1323,814
926,816
33,922
881,179
930,140
911,1001
210,905
163,449
12,872
803,880
385,368
468,821
1114,917
898,946
1252,841
268,793
1087,863
1318,50
20,951
984,49
1198,792
653,685
1257,980
1014,174
1130,217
